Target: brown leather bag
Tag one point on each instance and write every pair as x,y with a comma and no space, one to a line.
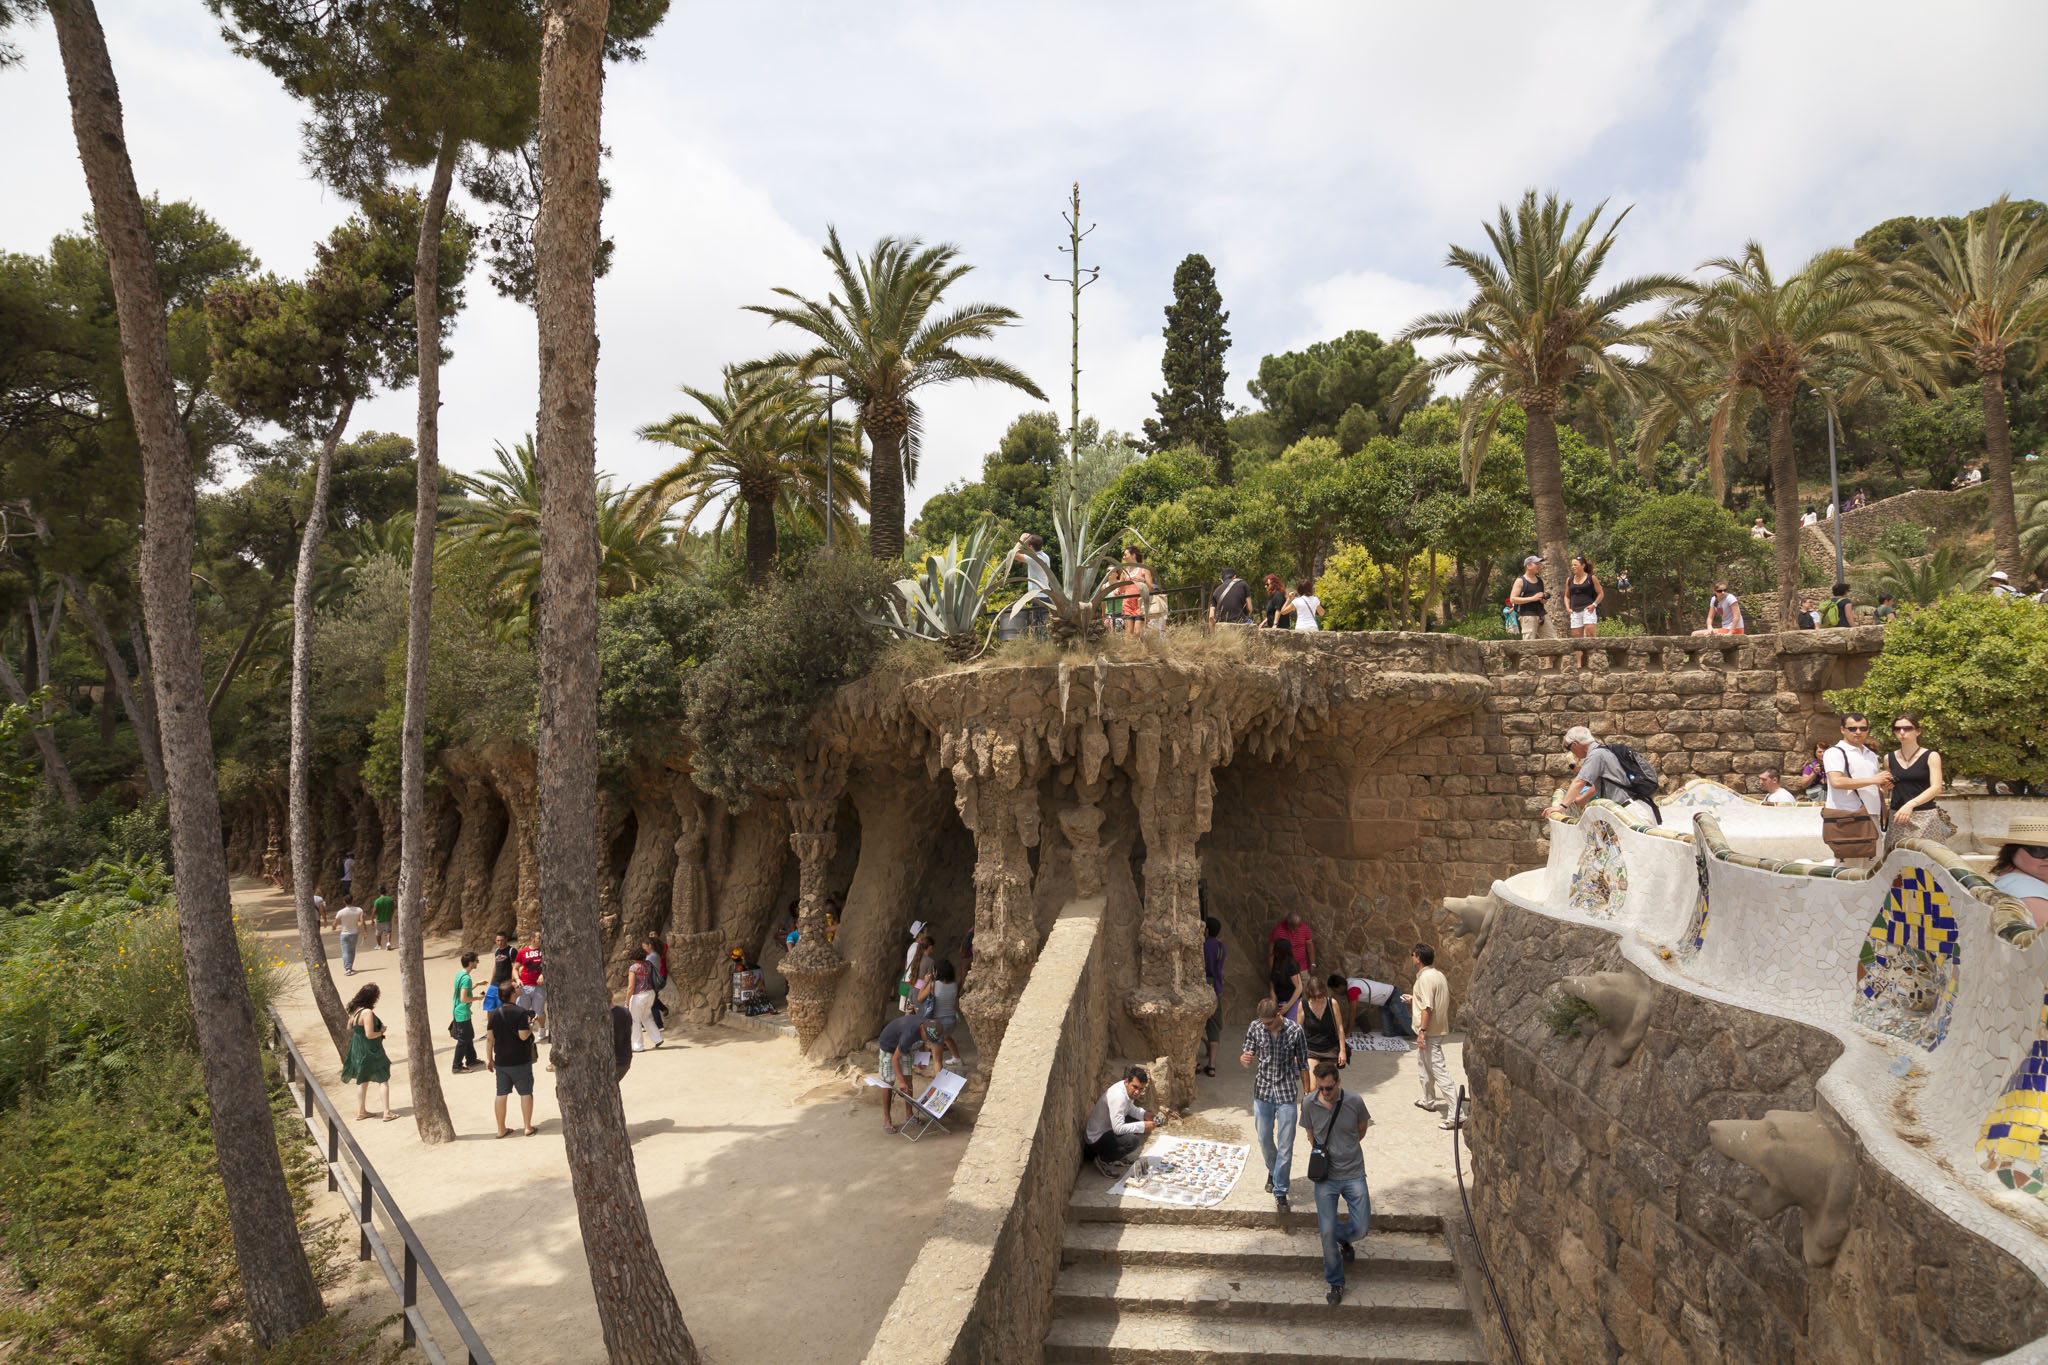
1851,835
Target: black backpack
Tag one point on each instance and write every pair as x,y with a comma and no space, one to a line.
1640,778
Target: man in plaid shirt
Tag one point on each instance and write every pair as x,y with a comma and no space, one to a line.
1277,1045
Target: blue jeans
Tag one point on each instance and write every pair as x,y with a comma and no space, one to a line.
1359,1200
1266,1117
348,951
1395,1021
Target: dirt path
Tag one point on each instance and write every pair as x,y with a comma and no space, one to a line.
786,1218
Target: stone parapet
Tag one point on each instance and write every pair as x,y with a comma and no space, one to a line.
981,1290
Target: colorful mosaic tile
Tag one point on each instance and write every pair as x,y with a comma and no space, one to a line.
1695,936
1600,882
2010,1143
1911,962
1703,793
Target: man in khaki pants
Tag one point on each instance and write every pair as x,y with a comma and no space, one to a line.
1430,1002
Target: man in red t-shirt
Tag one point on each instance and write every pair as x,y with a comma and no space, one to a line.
533,992
1295,931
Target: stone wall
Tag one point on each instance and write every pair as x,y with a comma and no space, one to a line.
981,1290
1617,1232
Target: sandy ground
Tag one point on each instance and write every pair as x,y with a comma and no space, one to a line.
786,1218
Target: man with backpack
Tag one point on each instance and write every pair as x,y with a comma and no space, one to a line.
1840,610
1613,771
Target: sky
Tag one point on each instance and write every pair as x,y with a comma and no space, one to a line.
1321,155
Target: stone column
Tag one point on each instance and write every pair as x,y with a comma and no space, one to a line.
1002,810
1083,827
814,968
1173,792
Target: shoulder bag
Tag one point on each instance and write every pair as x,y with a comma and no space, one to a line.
1319,1153
1851,835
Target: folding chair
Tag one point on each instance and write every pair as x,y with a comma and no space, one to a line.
927,1109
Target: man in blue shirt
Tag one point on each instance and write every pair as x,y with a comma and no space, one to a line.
1279,1049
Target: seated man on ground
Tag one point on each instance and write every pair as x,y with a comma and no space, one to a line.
901,1039
1356,991
1119,1123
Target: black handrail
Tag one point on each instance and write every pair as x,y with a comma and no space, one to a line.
362,1195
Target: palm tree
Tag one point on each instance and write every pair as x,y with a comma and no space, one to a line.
503,522
1534,334
878,336
759,445
1946,573
1746,337
1984,295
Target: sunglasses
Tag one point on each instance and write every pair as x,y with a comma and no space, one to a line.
1904,729
2034,851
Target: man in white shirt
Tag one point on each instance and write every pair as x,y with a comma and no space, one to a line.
1361,990
2001,586
348,926
1856,777
1119,1124
1758,531
1774,789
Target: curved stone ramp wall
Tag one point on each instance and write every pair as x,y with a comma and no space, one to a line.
981,1290
1617,1228
1919,963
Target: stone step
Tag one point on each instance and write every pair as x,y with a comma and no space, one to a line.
1292,1295
1159,1338
1096,1206
1167,1244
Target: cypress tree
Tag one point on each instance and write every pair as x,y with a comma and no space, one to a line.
1191,408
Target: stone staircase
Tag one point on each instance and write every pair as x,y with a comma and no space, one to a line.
1153,1283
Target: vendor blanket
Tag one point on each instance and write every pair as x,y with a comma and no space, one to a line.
1189,1172
1378,1042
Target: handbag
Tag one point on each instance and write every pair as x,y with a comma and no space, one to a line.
1851,835
453,1031
1319,1154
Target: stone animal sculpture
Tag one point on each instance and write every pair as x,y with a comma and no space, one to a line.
1803,1161
1623,1000
1475,917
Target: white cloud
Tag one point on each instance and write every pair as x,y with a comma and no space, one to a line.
1321,155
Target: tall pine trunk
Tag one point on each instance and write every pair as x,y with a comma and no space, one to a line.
885,496
277,1282
643,1325
54,767
1546,495
429,1107
117,677
761,541
2005,524
305,853
1785,503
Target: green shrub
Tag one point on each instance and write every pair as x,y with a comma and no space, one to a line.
1565,1015
1903,538
1975,669
117,1227
778,659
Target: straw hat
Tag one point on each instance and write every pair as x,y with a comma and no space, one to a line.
2028,829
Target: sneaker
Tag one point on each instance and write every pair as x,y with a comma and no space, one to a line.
1336,1294
1350,1251
1113,1169
1269,1184
1281,1200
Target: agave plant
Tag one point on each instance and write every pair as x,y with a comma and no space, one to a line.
944,601
1076,593
1945,573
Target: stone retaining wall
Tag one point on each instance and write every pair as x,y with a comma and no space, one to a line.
981,1290
1617,1232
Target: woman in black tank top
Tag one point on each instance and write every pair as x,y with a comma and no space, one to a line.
1916,782
1583,593
1322,1023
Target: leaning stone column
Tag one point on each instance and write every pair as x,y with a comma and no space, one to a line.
1173,794
1002,810
814,968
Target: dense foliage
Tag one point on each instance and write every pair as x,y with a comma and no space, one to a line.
1191,407
1975,670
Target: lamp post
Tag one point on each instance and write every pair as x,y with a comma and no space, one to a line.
831,397
1835,492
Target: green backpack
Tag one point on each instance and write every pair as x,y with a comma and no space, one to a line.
1836,612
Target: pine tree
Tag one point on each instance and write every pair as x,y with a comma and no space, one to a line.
1191,409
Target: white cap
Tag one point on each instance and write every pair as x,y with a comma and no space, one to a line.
1998,576
916,928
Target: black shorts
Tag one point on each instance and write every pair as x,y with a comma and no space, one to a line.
511,1078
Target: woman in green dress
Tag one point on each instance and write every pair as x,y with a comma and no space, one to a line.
366,1063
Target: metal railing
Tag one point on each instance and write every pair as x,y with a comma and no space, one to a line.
362,1191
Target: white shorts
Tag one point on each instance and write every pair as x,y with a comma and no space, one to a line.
1589,617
